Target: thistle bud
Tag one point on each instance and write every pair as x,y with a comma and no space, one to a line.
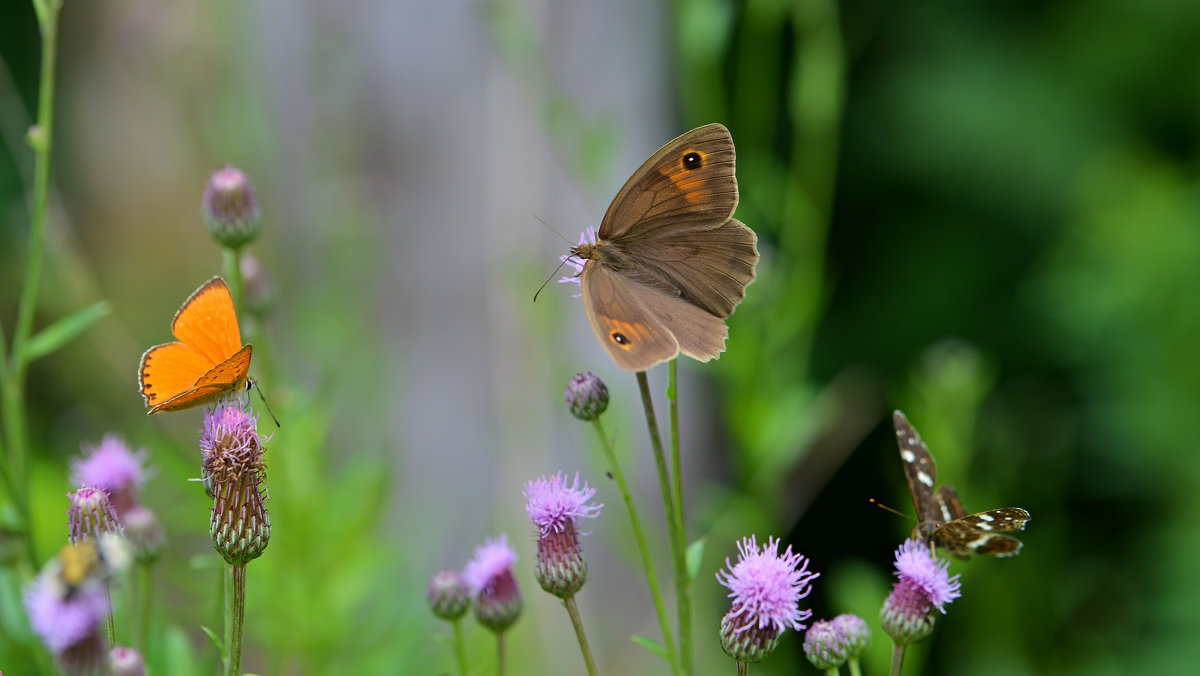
587,396
230,210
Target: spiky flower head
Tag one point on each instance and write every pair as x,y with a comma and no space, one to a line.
114,467
555,507
144,534
230,210
855,633
123,661
90,514
924,585
498,601
587,396
68,603
824,646
448,595
766,588
234,474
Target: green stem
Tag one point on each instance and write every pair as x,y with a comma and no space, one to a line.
743,668
41,139
897,659
639,535
235,613
460,648
145,597
832,672
855,670
678,555
685,594
500,654
573,611
231,261
111,628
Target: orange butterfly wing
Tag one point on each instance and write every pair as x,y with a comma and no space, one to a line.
208,361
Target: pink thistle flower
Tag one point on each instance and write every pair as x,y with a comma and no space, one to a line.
766,588
113,467
498,601
555,507
924,584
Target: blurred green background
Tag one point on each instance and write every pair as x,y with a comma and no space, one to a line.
987,215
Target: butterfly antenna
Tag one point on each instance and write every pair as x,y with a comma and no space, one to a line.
551,228
264,401
885,508
535,295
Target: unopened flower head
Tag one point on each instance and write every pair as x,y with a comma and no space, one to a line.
448,595
555,508
855,633
144,534
113,467
234,473
230,210
824,646
924,584
67,605
90,514
257,288
766,588
498,601
124,661
588,236
587,396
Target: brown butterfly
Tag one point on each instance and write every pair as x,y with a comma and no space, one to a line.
943,521
670,262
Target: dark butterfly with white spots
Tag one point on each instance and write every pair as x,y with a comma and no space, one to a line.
942,520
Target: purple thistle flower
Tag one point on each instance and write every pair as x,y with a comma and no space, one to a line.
123,661
112,466
554,508
588,236
448,595
766,589
68,602
929,574
233,475
924,584
498,601
90,514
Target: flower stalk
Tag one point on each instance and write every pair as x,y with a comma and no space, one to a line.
674,529
643,549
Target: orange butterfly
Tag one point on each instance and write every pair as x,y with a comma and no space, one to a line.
209,361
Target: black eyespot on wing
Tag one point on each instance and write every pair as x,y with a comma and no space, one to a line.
692,161
619,338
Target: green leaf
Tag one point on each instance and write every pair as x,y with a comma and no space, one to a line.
695,553
215,639
651,645
63,331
